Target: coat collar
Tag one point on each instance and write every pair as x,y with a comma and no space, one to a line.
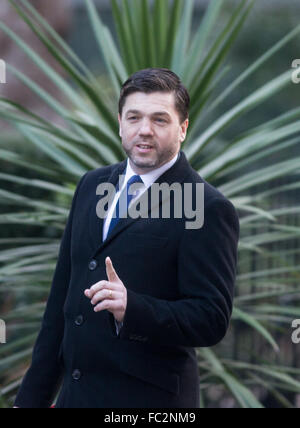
176,174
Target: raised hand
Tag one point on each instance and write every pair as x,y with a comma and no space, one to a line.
110,295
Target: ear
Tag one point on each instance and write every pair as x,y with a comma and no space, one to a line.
183,128
120,125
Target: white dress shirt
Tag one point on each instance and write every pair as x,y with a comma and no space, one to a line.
148,179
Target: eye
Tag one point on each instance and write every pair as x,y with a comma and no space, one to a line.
161,120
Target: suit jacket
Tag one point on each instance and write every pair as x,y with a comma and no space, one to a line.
180,287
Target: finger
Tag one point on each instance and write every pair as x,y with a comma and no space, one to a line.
95,288
105,294
107,304
110,271
90,292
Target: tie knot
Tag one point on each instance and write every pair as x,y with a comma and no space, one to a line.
124,200
134,179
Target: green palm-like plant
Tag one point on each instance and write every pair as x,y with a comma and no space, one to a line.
156,36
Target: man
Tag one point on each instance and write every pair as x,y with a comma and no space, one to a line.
132,298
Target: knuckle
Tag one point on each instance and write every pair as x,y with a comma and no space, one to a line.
99,285
99,307
96,298
94,288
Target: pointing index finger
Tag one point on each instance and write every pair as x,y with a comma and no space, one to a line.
110,270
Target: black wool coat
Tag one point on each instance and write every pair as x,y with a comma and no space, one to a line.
180,288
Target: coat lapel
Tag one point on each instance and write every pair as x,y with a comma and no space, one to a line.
95,222
176,173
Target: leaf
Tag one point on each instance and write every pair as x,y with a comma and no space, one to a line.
238,314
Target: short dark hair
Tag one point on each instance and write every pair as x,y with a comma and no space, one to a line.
157,80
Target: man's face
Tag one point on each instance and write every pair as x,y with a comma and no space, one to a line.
151,119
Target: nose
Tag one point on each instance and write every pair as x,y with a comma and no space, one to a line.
145,128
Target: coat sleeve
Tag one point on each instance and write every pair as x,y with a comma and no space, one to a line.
43,378
207,261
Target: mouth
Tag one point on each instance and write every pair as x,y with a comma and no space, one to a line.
144,148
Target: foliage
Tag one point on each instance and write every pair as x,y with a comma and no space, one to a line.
157,34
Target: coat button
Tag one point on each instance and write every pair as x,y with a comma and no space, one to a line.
76,374
93,264
79,320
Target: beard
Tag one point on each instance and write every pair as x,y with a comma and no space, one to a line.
152,160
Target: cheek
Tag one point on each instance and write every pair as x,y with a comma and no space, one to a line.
128,133
171,136
126,136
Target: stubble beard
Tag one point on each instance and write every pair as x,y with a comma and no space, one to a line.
153,161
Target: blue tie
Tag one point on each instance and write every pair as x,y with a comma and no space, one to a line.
124,194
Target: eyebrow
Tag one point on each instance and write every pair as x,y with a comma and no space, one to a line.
156,113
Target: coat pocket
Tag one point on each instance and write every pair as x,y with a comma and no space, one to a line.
142,367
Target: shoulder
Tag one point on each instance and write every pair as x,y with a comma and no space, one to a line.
211,193
103,171
217,207
98,174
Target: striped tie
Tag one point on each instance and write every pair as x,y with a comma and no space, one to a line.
122,202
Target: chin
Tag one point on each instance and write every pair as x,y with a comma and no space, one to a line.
141,162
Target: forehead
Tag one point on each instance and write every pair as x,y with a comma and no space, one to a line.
151,103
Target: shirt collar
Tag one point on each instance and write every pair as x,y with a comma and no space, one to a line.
150,177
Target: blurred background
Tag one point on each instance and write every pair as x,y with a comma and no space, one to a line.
37,174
